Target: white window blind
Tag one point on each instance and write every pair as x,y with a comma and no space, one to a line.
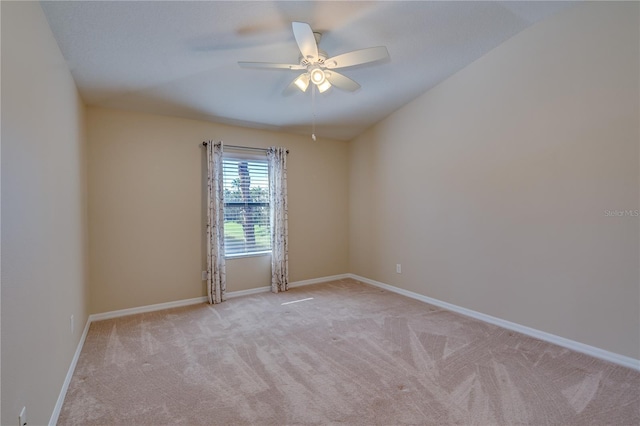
246,206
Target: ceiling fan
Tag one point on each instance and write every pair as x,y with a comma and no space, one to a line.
319,68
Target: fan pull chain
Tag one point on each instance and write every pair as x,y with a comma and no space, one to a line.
313,112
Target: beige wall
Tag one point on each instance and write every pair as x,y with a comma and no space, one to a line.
491,188
43,215
147,176
491,191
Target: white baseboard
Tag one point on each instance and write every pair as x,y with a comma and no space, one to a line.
615,358
148,308
67,380
203,299
238,293
318,280
294,284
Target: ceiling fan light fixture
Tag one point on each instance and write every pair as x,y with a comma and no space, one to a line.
324,86
302,82
317,76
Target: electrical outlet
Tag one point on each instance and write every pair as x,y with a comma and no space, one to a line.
22,417
398,268
204,275
73,324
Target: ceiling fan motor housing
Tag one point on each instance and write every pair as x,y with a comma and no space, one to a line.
322,57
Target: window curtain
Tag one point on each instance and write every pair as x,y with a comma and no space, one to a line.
216,275
277,158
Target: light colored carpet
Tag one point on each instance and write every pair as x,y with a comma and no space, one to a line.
350,354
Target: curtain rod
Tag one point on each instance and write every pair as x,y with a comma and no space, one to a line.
248,148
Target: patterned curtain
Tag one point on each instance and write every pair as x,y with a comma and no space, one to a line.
277,158
216,275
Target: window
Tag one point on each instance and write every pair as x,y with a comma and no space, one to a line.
246,205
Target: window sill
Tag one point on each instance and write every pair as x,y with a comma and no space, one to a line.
243,255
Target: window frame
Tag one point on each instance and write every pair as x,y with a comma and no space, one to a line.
238,157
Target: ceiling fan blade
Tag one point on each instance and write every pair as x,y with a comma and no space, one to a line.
357,57
270,65
306,40
341,81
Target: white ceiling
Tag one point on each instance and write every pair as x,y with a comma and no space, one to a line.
180,58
